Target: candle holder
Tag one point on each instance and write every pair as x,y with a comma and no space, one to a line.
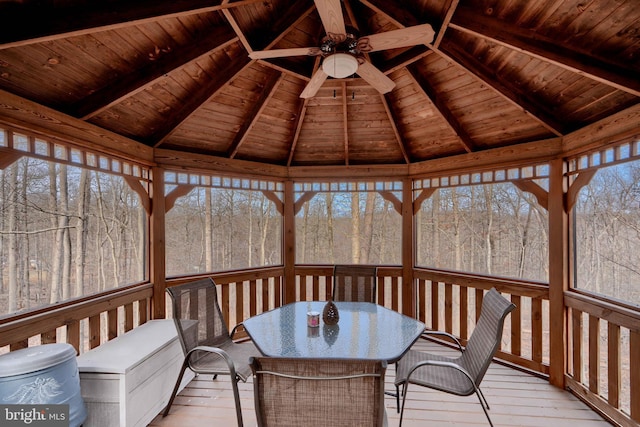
330,314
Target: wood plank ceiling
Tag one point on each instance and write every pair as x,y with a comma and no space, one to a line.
177,75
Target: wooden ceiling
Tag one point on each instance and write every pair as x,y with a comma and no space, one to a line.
177,75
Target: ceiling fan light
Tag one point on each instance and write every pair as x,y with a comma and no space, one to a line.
340,65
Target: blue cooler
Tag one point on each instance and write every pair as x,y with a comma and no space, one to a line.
45,374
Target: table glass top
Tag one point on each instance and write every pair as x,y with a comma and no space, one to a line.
365,331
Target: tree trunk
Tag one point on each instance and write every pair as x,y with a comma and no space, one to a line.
208,230
56,265
13,239
355,227
63,221
330,233
367,230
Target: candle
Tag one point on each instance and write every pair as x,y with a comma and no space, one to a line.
313,319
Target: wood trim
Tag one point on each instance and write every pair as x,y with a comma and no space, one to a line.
157,249
179,191
36,119
558,272
617,128
606,311
529,186
408,296
581,180
24,327
289,243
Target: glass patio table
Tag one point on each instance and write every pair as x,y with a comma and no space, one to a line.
365,331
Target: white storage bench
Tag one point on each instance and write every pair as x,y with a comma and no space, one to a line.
127,381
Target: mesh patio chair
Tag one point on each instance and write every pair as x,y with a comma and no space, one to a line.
295,392
354,283
461,375
205,339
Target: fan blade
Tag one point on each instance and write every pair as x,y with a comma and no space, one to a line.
314,84
410,36
280,53
330,12
375,77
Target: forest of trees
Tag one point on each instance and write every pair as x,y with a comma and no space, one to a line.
67,232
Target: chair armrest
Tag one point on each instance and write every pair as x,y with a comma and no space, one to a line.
217,351
425,335
443,364
235,329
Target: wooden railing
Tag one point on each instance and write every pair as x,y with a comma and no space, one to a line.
604,351
451,302
84,323
604,337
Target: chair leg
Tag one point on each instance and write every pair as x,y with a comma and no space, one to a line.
236,397
484,399
176,387
480,398
405,387
398,399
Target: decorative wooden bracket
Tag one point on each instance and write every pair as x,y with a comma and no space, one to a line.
8,157
424,195
582,179
390,197
141,190
528,186
175,194
302,200
275,199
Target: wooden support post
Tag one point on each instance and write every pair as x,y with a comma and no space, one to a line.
408,250
157,248
558,272
289,243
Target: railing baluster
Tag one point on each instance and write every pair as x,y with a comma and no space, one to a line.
594,354
536,329
613,364
634,356
448,307
576,327
516,326
464,312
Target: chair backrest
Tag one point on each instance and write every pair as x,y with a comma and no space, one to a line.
294,392
354,283
485,338
197,314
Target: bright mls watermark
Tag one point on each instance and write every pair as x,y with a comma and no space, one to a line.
34,415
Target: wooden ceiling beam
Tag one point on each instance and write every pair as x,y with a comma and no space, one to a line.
451,8
394,126
399,16
32,22
345,122
126,86
204,95
445,112
290,26
461,57
532,43
302,111
267,92
234,24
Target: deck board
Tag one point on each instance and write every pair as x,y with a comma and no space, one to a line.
516,399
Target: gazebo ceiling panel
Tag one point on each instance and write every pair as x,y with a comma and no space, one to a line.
179,76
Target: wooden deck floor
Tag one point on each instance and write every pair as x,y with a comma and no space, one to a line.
516,399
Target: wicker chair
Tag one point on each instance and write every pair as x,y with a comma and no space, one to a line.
354,283
206,341
294,392
461,375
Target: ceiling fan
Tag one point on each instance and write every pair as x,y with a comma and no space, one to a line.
344,53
